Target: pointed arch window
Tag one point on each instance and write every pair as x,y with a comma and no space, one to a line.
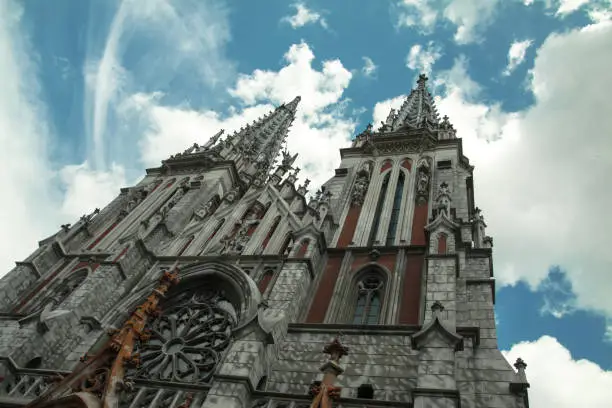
397,203
303,248
265,280
186,245
270,232
369,300
379,207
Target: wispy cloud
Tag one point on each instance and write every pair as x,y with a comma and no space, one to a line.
303,16
423,58
469,17
185,40
516,55
369,68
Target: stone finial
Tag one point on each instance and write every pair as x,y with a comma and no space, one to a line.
437,308
336,350
65,227
519,385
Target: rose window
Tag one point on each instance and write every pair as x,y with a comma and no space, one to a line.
187,340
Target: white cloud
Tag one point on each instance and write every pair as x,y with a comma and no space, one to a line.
382,109
468,16
189,39
569,6
303,16
557,380
600,12
516,55
37,200
369,68
87,189
423,59
538,172
319,130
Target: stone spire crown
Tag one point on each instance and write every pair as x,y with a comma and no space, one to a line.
419,109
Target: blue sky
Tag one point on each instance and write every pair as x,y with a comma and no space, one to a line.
95,91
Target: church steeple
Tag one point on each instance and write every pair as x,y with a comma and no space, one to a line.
417,112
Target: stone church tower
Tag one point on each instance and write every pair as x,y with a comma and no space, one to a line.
216,283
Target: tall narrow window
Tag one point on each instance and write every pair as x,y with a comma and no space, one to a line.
217,228
270,232
303,248
397,202
369,301
265,280
379,207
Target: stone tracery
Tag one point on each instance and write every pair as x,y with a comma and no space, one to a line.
188,338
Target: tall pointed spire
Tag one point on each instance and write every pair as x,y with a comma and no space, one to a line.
292,106
255,147
418,110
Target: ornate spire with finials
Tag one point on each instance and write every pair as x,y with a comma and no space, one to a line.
417,112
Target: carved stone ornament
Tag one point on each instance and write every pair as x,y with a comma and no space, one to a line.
359,190
443,201
187,340
232,195
409,146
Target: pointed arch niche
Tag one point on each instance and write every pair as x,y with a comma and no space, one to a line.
358,193
366,296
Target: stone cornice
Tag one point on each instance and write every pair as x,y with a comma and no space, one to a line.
333,329
410,249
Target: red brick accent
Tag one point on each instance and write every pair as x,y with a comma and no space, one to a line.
418,224
155,188
265,281
121,254
324,293
81,265
411,291
386,165
102,235
348,229
217,228
407,164
189,241
169,184
386,260
303,248
270,233
442,243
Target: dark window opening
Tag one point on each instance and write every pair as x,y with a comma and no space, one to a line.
379,207
397,202
445,164
369,300
365,391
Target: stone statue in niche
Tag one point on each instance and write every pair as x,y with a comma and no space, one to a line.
423,181
443,202
235,243
359,190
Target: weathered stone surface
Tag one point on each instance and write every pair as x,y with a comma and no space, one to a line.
262,252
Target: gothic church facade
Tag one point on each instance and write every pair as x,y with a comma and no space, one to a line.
216,282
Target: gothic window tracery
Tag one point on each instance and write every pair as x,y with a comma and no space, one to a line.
395,211
271,232
369,299
379,208
189,337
